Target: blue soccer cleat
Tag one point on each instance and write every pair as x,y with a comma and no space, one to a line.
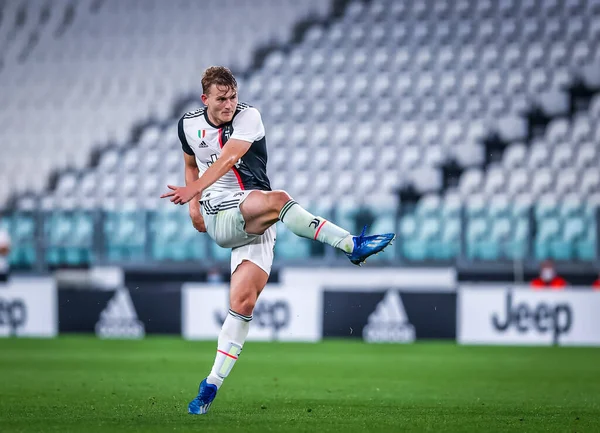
206,395
365,246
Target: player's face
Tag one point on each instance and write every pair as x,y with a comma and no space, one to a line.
221,102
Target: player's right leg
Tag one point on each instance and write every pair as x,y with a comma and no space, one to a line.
261,209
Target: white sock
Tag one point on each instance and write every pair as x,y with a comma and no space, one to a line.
231,340
303,223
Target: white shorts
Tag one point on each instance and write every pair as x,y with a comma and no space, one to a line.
226,226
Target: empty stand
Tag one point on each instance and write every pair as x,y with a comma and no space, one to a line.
379,99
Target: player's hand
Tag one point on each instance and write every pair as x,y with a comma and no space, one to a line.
181,194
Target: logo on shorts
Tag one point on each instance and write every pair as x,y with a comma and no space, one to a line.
238,194
316,222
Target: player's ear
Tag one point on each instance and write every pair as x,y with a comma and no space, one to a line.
204,98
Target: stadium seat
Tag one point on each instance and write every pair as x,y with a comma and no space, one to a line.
585,245
518,182
451,207
513,59
69,238
557,131
581,130
500,206
124,240
514,156
548,231
571,206
594,107
542,181
587,155
562,157
470,182
492,248
547,206
539,156
495,181
21,227
468,154
554,102
413,248
558,55
476,230
476,206
426,179
566,182
512,128
590,182
450,240
563,248
516,248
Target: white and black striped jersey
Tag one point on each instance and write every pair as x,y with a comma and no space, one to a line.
201,138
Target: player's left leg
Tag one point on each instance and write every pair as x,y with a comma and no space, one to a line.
247,282
251,265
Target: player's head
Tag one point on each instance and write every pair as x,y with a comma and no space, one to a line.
219,93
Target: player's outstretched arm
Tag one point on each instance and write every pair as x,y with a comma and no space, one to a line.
233,150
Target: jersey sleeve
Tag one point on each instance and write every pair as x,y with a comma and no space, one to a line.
184,143
248,126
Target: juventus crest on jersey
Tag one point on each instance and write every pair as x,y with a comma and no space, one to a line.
201,138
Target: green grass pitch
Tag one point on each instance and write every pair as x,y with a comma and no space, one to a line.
81,384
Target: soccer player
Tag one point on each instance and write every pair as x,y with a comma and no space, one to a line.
231,199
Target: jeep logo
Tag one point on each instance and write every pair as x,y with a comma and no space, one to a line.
13,313
542,318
